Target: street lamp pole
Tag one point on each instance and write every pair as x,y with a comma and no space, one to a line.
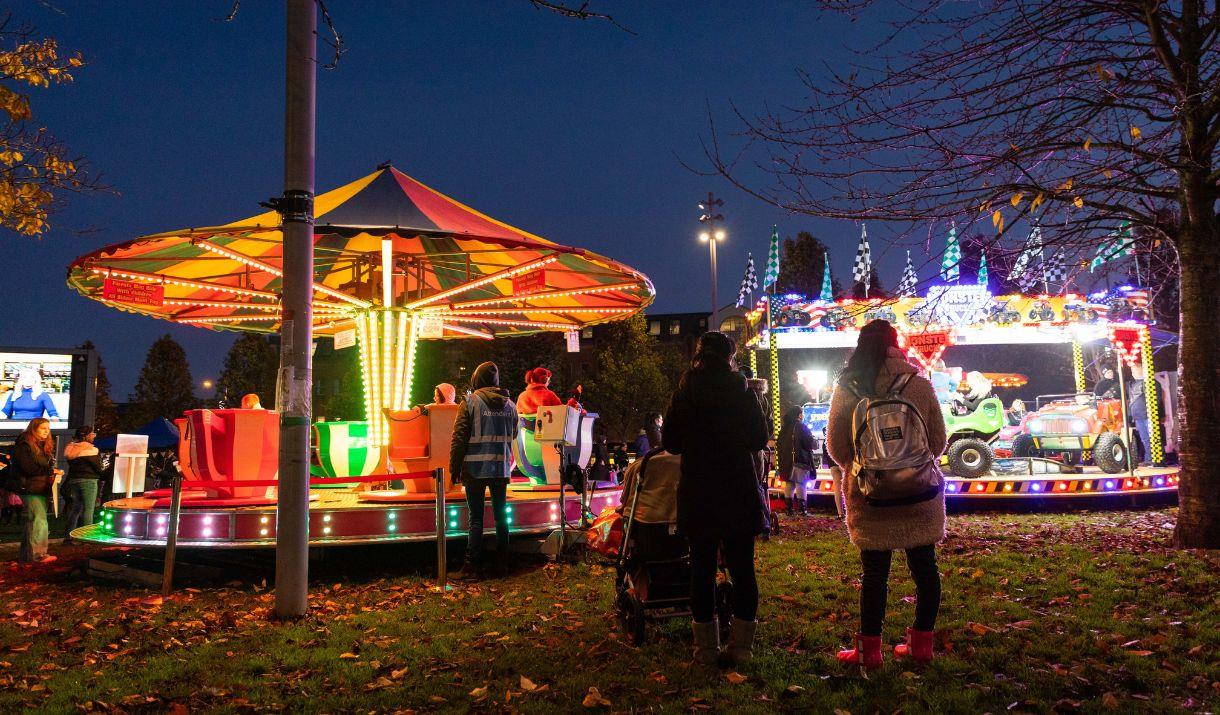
712,234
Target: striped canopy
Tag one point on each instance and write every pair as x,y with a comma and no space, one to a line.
463,271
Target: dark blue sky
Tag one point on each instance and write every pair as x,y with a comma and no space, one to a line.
571,130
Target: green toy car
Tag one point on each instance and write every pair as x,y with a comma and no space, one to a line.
970,435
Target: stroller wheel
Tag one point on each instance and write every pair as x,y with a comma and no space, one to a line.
724,605
631,617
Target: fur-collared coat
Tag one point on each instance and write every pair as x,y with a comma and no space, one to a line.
894,527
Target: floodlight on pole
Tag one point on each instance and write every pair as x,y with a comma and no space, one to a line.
711,235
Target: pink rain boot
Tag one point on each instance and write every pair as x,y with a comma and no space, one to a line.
867,653
918,646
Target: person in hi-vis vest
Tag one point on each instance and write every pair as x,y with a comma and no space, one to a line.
481,456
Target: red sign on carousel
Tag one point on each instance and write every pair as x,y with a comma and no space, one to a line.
927,346
132,292
530,282
1128,340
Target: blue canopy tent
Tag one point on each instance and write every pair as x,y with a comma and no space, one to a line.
162,434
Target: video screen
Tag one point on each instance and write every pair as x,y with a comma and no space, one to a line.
35,385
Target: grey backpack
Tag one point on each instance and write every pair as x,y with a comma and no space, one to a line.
893,463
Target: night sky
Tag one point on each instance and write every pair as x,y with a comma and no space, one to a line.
572,130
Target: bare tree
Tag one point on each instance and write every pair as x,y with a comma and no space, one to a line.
1076,114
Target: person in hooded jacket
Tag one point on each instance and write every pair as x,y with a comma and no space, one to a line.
878,530
84,473
714,423
794,451
481,454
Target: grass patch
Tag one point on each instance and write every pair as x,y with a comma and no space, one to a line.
1064,612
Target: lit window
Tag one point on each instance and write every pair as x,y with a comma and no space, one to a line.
654,327
587,334
675,327
732,324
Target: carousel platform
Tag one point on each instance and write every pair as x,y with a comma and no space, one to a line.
335,518
1088,488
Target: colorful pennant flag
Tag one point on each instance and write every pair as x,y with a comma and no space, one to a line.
772,273
828,293
1120,244
749,282
906,287
949,266
862,271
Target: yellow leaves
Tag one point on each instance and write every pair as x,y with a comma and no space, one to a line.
1078,202
1033,206
997,220
1088,143
594,699
1107,173
11,156
1016,199
1066,186
735,678
1103,74
1135,132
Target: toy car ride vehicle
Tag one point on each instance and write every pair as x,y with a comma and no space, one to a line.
1077,429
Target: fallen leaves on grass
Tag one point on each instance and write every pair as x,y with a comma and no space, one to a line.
594,699
735,678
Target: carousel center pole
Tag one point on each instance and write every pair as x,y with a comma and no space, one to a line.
296,332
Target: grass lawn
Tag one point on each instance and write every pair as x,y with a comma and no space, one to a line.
1068,612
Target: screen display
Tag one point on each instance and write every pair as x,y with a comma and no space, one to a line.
35,385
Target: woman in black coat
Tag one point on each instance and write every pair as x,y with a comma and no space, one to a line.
715,424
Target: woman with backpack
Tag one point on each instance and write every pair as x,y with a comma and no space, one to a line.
894,504
32,474
794,453
714,423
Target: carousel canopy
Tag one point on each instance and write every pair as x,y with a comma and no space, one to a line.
455,269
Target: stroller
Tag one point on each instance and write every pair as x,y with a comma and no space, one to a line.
652,574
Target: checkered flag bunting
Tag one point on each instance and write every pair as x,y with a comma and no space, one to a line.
1055,270
862,271
749,282
1022,274
772,273
1120,244
982,279
906,286
828,291
950,265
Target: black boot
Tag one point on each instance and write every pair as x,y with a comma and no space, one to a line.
471,570
500,567
790,502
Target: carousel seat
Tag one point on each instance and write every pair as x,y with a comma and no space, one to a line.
229,446
419,442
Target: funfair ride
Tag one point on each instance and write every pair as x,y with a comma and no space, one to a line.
395,262
1072,447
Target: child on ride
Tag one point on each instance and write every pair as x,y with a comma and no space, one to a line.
537,392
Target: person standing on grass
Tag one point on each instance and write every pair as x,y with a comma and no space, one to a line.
879,367
794,453
33,472
483,433
714,423
84,472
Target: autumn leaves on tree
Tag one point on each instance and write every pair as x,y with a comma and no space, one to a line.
34,165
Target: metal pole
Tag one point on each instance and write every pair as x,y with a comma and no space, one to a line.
563,514
296,332
442,563
1122,408
171,535
715,302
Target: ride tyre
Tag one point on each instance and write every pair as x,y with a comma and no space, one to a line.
1023,446
970,458
1110,454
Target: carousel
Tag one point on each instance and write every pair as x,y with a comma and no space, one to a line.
396,262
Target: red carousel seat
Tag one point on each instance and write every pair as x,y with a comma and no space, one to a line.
230,445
